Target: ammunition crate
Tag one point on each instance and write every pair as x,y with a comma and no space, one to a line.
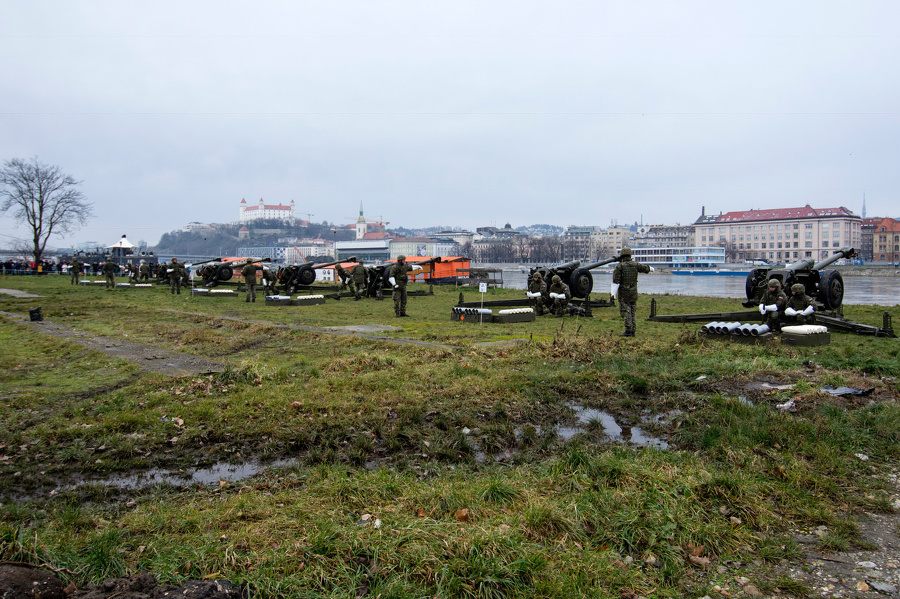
200,291
126,285
308,300
89,283
515,315
805,336
471,314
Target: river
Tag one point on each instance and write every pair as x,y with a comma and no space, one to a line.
880,291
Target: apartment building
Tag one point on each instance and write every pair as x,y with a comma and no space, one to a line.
780,234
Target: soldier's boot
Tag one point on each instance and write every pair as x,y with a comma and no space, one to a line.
356,298
403,313
626,334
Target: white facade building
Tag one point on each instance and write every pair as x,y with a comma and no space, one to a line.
249,212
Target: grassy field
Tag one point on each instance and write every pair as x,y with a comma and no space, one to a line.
437,469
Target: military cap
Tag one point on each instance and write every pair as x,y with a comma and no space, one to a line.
401,258
774,283
556,279
361,261
798,288
537,276
626,251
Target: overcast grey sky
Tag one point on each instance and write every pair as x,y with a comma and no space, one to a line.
453,113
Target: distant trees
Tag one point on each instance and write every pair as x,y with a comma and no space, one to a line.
47,200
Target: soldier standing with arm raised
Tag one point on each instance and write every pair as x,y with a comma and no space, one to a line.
398,277
625,279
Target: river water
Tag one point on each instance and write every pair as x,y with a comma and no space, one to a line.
880,291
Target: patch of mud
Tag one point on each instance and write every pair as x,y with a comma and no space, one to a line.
24,580
18,293
872,571
153,359
807,387
368,328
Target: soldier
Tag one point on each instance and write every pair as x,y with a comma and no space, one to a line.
799,305
109,271
625,279
537,289
343,275
76,267
132,271
358,279
175,271
398,277
144,272
772,305
560,294
249,274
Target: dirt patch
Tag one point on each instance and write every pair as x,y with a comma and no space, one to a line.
153,359
18,293
23,580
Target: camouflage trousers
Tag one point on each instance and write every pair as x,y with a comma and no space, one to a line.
627,311
399,297
251,292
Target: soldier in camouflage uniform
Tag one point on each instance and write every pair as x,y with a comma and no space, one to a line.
76,267
537,290
772,305
398,277
109,272
175,271
625,279
799,305
358,280
144,271
560,289
249,274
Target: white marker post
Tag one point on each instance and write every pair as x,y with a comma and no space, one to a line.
482,287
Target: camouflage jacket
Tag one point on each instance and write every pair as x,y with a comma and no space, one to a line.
626,276
249,273
776,297
538,286
561,288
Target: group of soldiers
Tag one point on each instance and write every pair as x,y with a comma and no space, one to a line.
555,298
137,273
777,308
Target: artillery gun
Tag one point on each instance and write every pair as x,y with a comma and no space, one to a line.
294,276
378,277
217,272
578,277
824,286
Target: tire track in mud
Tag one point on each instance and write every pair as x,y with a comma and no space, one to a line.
150,358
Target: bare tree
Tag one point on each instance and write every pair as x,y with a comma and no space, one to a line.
43,197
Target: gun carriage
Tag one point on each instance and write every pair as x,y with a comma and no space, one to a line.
824,286
577,277
295,276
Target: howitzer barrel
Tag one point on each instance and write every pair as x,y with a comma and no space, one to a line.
333,263
844,252
593,265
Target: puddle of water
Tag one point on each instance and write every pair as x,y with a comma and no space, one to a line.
183,478
611,428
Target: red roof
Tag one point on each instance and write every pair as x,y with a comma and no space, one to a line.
783,214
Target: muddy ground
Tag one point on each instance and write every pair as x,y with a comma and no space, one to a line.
872,569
